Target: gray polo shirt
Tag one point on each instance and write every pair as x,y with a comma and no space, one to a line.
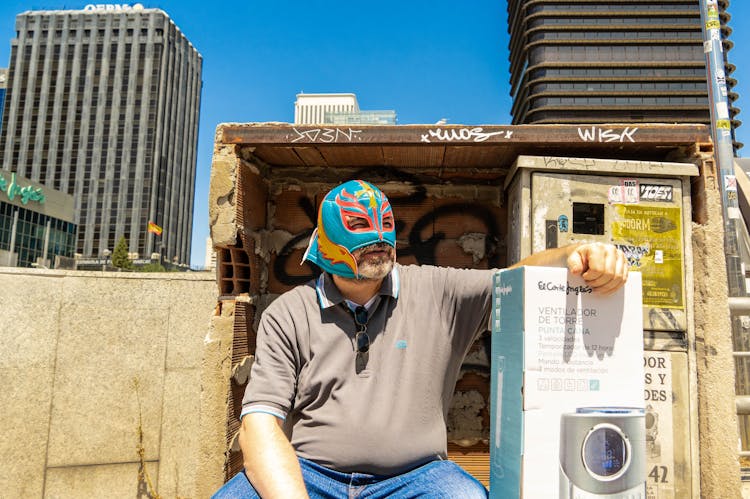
390,416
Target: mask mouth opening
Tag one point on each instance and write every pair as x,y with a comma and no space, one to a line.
379,246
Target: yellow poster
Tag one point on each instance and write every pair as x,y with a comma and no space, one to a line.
651,238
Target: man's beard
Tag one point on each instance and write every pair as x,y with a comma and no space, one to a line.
374,266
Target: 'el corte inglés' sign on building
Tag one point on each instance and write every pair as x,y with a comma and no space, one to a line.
25,193
10,187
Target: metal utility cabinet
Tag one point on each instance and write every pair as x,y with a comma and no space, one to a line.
644,208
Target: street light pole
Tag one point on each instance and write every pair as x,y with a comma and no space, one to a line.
721,128
106,254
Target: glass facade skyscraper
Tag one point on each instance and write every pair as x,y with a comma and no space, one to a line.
103,104
361,118
584,61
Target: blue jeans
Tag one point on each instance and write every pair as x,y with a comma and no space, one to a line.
437,479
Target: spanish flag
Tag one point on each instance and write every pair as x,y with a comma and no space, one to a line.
154,229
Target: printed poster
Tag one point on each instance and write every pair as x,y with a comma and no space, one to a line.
659,425
651,238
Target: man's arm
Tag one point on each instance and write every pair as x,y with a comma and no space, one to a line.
270,462
602,266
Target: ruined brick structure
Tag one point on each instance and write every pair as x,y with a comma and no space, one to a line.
446,187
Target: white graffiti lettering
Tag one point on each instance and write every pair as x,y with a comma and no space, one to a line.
476,134
325,135
655,192
596,134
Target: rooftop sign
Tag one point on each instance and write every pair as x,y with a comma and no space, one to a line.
113,7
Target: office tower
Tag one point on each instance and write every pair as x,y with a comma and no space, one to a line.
584,61
103,103
337,109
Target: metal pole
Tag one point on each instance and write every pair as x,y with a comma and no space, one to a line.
721,129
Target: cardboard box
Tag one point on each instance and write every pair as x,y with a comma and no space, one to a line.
558,347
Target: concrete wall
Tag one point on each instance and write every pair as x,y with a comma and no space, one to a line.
94,367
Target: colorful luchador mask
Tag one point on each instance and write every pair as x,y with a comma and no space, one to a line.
336,237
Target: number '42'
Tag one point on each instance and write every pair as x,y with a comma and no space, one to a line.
659,474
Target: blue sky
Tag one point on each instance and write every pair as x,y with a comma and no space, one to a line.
426,60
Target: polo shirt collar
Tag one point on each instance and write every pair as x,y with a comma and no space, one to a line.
329,295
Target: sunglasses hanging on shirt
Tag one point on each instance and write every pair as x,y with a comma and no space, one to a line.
361,338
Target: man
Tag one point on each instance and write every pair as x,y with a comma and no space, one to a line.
354,371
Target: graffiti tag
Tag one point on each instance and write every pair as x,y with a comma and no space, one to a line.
476,134
423,249
634,253
590,164
656,192
325,135
597,134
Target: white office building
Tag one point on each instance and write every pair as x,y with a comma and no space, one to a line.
210,260
311,109
337,109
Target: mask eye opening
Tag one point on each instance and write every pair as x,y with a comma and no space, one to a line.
388,223
356,223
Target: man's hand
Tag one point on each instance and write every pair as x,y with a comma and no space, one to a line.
602,266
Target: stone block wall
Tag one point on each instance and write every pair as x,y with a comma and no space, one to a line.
102,382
